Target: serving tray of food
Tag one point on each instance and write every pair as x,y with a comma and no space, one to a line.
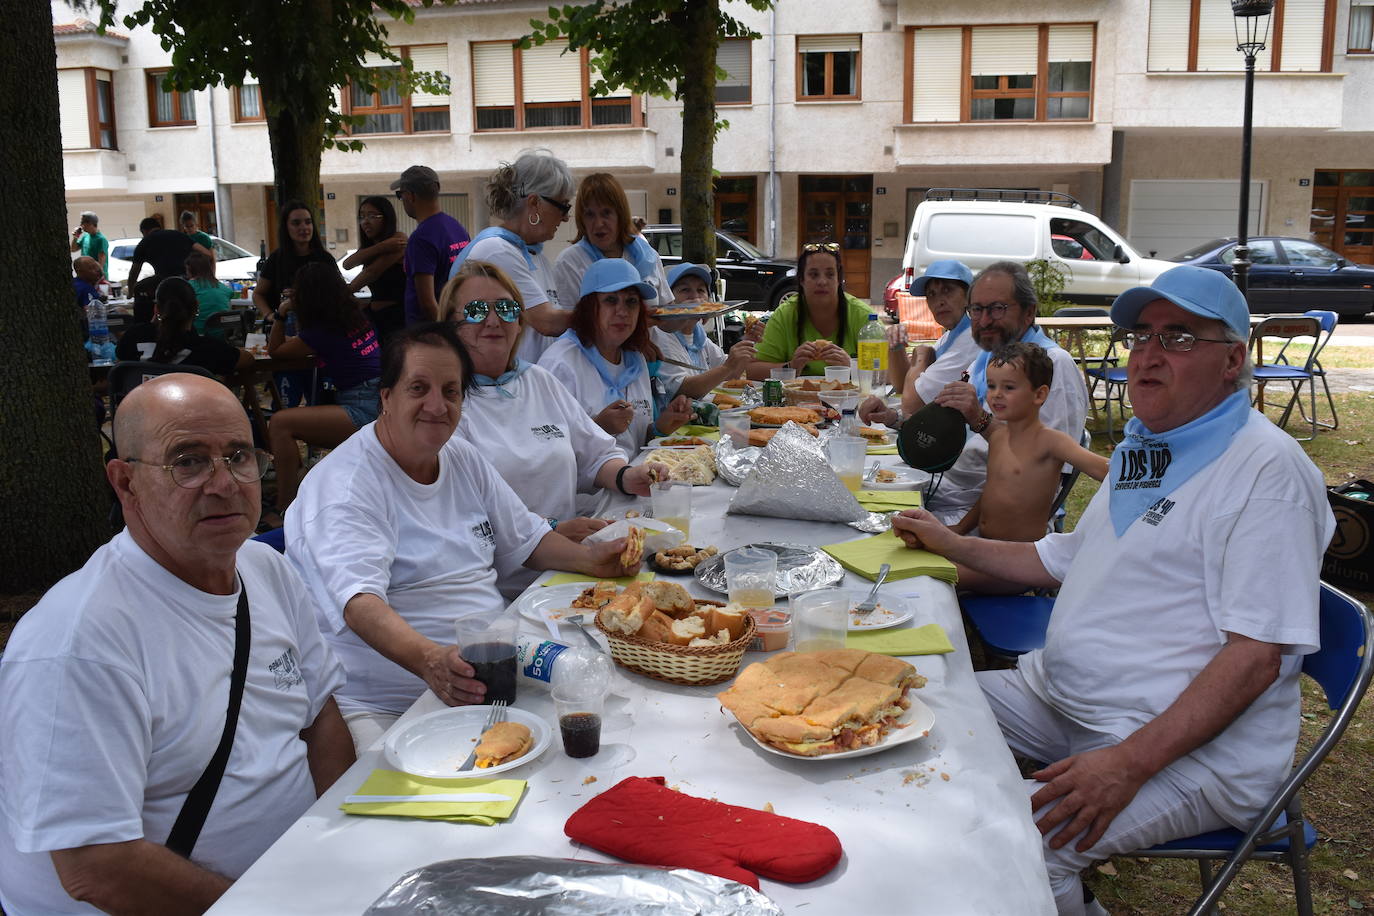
800,568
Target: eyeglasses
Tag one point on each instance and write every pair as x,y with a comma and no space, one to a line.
563,207
477,310
996,310
193,470
401,194
1173,341
831,247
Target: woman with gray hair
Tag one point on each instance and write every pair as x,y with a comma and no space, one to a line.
529,199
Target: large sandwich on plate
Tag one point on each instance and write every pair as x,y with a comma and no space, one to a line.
503,742
814,703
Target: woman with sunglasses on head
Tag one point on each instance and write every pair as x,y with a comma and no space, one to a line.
334,330
529,198
380,251
604,358
605,230
522,419
820,325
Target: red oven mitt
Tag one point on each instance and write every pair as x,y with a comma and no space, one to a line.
641,820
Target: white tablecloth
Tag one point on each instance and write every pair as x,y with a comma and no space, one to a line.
936,826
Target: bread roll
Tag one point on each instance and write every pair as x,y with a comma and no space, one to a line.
729,618
627,613
657,628
670,598
687,629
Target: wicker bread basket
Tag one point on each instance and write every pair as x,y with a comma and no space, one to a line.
679,664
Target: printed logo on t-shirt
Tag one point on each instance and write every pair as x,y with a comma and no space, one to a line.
1143,468
286,670
482,531
546,432
1155,514
642,406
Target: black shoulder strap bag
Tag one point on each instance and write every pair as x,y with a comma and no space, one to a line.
196,808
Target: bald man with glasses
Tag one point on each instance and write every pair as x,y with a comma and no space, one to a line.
114,687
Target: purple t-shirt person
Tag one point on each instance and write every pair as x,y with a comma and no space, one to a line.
431,249
349,360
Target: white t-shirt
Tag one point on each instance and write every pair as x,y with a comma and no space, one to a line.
573,262
536,286
672,347
570,366
951,364
1237,548
112,700
433,552
1066,409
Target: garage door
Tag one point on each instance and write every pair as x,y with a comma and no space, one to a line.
119,219
1170,216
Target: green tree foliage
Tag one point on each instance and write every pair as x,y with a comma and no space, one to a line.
301,52
665,48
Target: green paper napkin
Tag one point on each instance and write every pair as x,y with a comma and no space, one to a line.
883,449
865,555
927,640
564,578
691,429
888,500
391,782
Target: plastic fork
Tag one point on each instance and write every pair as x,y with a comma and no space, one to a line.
867,606
497,714
871,472
577,620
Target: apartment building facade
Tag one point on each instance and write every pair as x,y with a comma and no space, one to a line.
840,117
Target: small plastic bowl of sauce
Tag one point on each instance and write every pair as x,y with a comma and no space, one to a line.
773,629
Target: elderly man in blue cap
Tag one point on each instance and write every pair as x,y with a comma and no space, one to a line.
945,284
1165,701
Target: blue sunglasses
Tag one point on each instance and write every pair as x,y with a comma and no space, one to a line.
477,310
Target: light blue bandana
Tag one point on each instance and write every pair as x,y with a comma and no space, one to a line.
498,232
616,379
505,378
1146,467
961,328
978,373
639,253
695,347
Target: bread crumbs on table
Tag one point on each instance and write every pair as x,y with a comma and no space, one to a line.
945,777
908,778
591,779
768,806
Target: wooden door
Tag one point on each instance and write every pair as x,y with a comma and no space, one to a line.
839,208
736,204
1343,213
202,204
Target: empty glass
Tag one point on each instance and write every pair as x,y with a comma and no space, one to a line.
837,374
783,375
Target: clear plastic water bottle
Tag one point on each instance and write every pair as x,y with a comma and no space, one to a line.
97,319
871,363
536,660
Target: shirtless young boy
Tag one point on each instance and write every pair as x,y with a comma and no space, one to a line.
1024,456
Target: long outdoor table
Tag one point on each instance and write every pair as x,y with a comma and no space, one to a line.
936,826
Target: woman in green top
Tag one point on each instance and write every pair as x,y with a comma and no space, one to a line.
212,295
811,330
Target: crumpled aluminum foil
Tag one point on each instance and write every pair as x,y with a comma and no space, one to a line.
520,885
800,568
791,478
734,464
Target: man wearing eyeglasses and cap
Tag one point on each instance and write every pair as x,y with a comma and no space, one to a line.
432,247
113,688
1165,701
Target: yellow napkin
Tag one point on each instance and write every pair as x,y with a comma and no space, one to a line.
888,500
391,782
927,640
883,449
564,578
691,429
865,555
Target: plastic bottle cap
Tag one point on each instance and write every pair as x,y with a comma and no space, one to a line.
872,316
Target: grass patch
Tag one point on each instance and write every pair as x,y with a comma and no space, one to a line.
1336,795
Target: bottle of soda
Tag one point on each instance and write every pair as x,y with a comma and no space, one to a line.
871,363
97,321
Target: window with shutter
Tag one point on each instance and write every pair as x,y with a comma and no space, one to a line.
493,85
1003,63
386,110
1070,72
73,109
541,88
1200,36
937,60
1361,27
733,56
551,82
828,67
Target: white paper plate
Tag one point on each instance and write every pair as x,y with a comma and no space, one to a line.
892,610
906,480
918,720
657,442
889,439
553,602
437,744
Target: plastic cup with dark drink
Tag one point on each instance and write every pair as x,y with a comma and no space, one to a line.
488,645
579,709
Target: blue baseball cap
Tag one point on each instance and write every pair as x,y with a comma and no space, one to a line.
1207,293
942,270
688,269
610,275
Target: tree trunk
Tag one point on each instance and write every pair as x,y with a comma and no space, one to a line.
698,130
297,145
53,496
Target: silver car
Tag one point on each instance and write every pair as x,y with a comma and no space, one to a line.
231,261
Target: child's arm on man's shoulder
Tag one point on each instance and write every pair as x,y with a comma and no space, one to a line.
1067,451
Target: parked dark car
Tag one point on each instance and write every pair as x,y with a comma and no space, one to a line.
749,273
1292,275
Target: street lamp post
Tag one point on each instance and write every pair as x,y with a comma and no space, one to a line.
1252,31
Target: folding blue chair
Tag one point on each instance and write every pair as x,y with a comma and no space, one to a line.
1009,625
1281,371
1328,321
1113,379
1281,833
275,538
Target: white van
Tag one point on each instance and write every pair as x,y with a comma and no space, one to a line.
979,226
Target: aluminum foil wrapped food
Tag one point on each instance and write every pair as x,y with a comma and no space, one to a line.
791,478
734,464
520,885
